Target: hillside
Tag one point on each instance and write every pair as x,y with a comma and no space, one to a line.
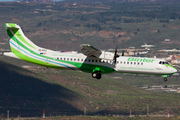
65,26
28,93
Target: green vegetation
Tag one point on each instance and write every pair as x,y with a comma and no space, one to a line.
110,24
64,27
68,92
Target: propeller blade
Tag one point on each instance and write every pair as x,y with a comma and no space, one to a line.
115,56
122,53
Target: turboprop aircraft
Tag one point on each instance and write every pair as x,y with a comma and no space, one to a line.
91,60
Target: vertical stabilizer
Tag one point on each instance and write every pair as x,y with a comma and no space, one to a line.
18,40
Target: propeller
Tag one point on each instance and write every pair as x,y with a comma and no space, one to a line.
115,56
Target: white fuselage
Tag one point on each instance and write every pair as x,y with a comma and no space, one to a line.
125,64
142,65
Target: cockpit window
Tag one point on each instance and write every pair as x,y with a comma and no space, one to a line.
163,62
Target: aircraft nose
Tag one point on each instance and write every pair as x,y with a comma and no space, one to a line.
174,70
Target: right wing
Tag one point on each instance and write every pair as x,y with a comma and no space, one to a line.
90,51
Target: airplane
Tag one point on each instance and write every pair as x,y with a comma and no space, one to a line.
91,60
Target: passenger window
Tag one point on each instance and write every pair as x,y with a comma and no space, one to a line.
138,63
121,62
71,59
78,59
92,60
57,58
96,61
81,59
74,59
61,58
134,62
131,63
89,60
124,62
127,62
141,63
67,58
64,58
117,62
85,60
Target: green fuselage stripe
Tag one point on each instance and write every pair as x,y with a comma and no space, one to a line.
169,66
17,33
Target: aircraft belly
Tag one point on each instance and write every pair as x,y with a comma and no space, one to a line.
90,67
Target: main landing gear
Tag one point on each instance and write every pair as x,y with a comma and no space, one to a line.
96,74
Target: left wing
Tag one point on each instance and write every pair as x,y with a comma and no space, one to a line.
90,51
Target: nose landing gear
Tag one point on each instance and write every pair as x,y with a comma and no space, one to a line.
165,79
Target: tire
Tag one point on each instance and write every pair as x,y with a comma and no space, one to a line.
165,79
98,75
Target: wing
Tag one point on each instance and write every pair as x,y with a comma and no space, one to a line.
90,51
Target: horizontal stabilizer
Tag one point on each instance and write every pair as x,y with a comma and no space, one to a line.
10,54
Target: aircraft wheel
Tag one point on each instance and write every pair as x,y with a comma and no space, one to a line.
94,74
98,76
165,79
